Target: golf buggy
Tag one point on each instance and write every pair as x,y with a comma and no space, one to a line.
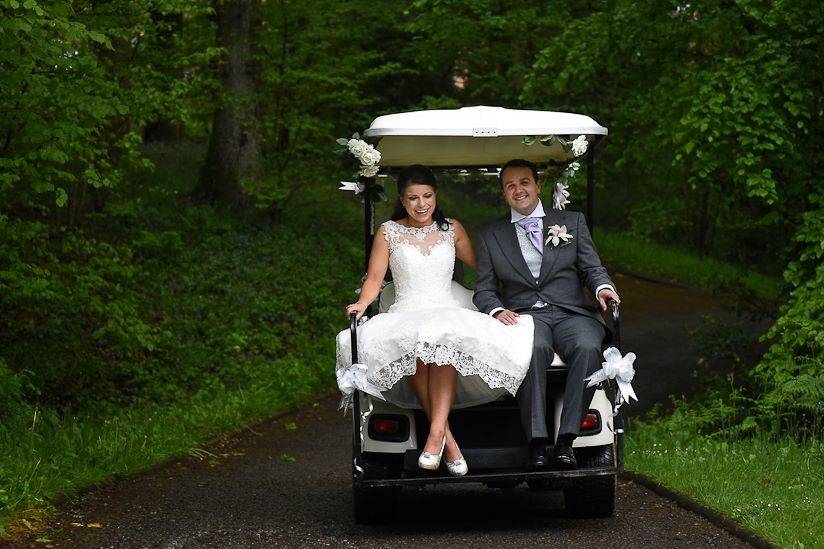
386,440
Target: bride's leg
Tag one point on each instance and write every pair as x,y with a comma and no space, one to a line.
420,385
442,383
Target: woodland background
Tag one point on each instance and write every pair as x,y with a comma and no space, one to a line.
160,161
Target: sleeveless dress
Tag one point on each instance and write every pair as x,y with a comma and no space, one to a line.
431,321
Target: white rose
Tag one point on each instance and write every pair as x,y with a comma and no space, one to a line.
579,146
370,157
358,147
369,171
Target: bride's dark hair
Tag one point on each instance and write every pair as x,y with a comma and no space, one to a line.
417,174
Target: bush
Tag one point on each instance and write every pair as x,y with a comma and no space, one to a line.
95,321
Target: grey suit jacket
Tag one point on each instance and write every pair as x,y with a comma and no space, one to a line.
504,280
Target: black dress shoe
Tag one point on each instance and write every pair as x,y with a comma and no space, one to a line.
537,453
563,457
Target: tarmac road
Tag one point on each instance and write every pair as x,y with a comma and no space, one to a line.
274,487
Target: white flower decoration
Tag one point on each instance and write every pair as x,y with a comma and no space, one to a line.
557,234
358,147
560,195
579,146
370,171
370,157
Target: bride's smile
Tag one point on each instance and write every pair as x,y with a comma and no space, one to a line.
419,202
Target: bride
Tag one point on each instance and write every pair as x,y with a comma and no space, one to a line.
450,354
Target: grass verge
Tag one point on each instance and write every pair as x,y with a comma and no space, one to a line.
59,457
638,255
775,488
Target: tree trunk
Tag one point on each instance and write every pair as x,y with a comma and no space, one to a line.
234,146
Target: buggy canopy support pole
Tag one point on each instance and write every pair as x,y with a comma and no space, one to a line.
356,408
368,213
591,188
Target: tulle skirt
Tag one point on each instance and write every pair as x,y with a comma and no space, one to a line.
491,357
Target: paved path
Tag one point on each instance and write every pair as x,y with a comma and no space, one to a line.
252,497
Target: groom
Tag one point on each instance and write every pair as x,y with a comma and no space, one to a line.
522,269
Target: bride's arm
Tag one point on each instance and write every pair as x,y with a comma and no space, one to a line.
463,246
378,263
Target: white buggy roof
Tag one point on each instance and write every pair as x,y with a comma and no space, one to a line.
475,136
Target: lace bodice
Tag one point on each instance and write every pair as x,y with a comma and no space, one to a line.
422,261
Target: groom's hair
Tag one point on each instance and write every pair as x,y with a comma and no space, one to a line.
517,163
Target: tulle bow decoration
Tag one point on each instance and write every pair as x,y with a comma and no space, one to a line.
352,186
354,378
560,196
620,369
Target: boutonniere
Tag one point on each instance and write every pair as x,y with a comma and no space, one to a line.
557,234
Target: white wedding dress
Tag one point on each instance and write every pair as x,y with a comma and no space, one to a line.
430,321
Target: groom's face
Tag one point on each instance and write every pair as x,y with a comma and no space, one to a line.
520,189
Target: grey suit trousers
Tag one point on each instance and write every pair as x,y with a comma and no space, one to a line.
577,339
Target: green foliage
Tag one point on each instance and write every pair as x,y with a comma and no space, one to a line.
116,292
133,339
163,301
319,80
792,372
770,486
79,84
711,109
715,132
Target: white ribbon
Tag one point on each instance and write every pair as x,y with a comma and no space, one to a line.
354,378
353,186
621,370
560,196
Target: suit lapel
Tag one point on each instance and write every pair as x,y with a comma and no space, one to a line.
550,253
508,241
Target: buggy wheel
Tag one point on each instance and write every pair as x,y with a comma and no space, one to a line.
539,485
592,497
374,505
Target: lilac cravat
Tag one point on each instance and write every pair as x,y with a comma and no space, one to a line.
532,227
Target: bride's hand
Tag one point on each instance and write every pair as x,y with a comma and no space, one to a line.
356,307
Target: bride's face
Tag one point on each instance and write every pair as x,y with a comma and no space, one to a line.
419,202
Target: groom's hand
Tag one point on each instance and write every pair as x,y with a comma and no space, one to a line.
605,295
507,317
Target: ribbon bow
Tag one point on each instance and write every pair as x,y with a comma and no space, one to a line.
355,187
621,370
560,196
354,378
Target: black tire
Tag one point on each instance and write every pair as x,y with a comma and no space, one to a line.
374,505
539,485
592,497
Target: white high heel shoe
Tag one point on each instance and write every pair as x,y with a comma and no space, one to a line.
431,461
457,468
